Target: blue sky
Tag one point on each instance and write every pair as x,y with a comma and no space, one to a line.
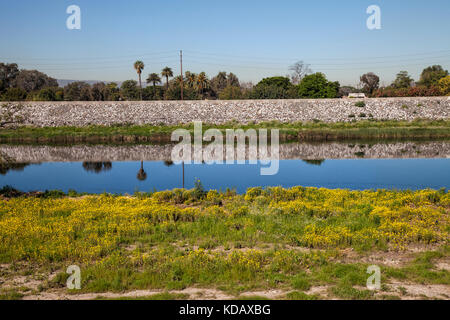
253,39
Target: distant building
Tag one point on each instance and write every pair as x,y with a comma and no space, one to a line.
356,95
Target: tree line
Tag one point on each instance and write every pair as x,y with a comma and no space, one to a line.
33,85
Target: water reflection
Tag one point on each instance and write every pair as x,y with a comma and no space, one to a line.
141,175
315,162
129,176
97,167
121,169
307,151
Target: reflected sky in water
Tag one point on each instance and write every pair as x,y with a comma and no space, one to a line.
122,177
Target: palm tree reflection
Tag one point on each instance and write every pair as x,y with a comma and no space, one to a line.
141,175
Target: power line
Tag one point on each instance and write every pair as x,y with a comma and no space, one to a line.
319,59
137,55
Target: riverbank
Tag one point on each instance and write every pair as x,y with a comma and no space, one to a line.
275,243
217,112
289,132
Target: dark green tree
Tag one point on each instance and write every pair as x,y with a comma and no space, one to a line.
130,90
77,91
431,75
316,85
8,72
33,80
403,80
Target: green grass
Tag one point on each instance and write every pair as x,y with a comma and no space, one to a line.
315,130
349,293
10,294
157,296
298,295
269,238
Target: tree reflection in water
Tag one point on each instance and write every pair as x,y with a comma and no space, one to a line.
316,162
141,175
97,167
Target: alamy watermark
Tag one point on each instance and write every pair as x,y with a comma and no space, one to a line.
74,280
374,280
374,20
231,150
73,22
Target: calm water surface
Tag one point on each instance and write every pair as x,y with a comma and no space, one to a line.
127,177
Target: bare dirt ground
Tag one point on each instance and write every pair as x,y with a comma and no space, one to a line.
34,285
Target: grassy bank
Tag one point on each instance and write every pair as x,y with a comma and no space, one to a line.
306,131
293,241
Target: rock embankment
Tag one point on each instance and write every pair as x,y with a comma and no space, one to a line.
54,114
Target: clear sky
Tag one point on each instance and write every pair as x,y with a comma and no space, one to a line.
253,39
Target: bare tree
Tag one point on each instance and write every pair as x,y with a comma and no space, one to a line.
370,82
299,70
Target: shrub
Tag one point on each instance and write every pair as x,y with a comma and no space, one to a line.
14,94
419,91
444,85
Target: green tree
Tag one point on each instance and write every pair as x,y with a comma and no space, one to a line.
130,90
174,93
99,91
280,82
231,93
167,72
316,85
112,92
14,94
8,72
273,88
202,82
431,75
152,93
46,94
219,82
232,80
403,80
32,80
77,91
153,78
139,66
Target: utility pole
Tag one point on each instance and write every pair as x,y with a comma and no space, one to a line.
181,67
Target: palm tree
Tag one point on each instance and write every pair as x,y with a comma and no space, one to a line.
202,82
141,175
167,72
191,79
139,66
153,78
